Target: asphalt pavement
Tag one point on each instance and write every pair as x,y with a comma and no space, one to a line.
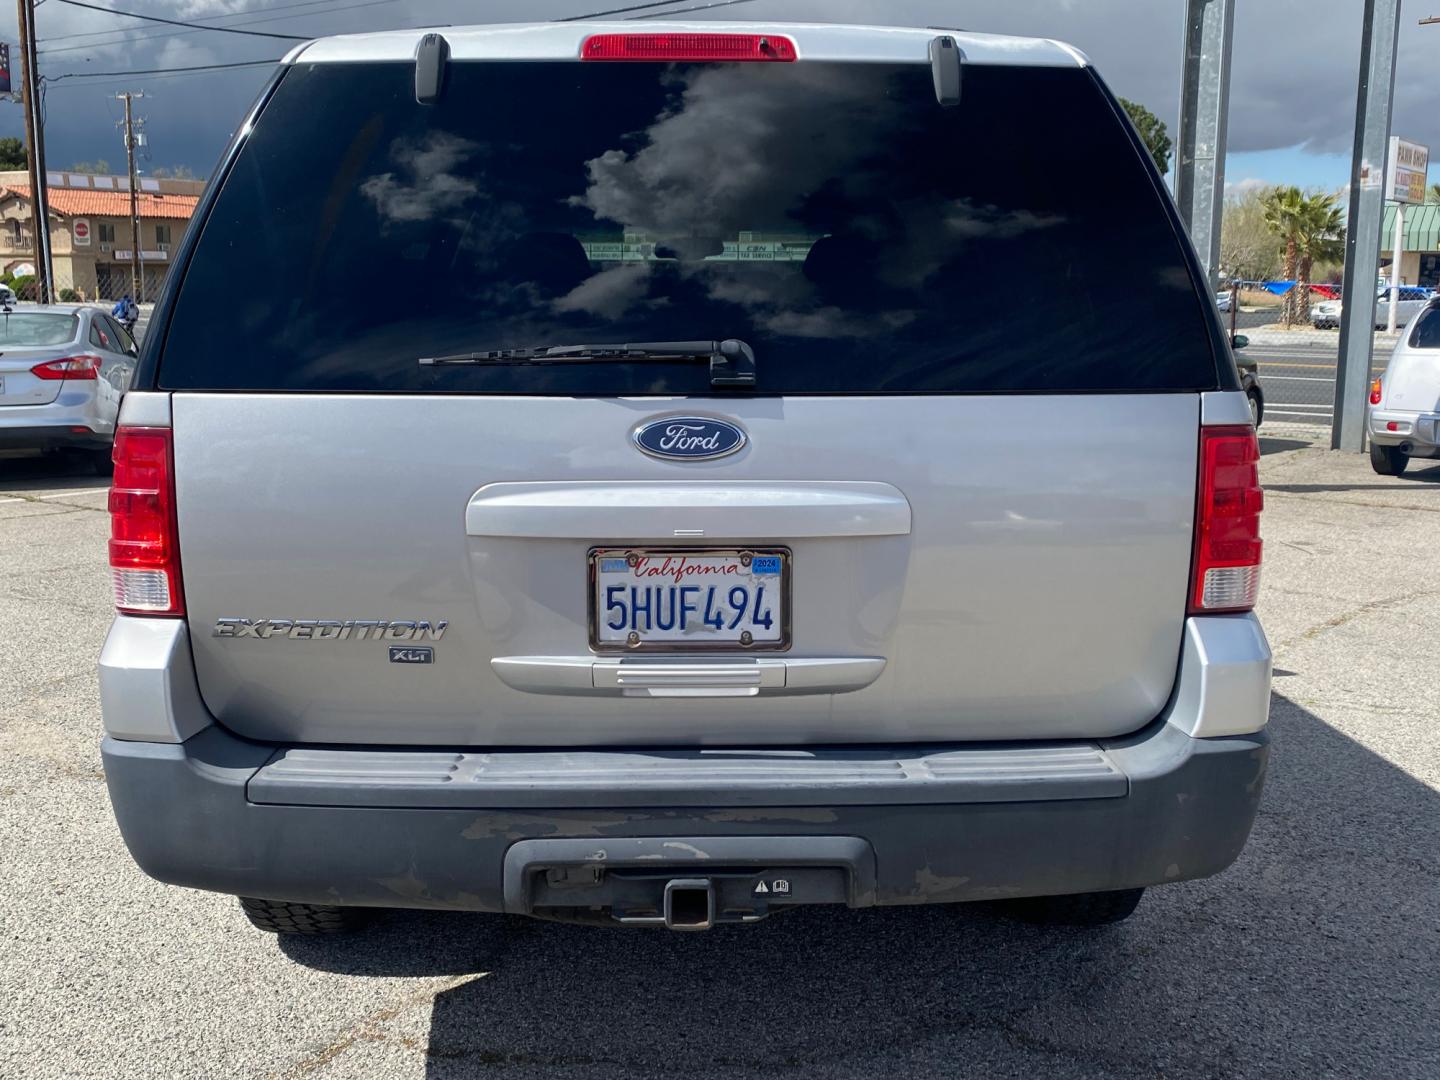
1297,366
1317,955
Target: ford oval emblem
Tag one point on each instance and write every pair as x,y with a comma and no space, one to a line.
689,438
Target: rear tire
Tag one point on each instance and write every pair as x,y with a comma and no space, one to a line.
1388,460
279,917
1075,909
1257,407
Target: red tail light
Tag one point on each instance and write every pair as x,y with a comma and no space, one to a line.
1375,392
72,367
715,48
144,548
1227,521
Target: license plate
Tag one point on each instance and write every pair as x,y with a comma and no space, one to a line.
726,599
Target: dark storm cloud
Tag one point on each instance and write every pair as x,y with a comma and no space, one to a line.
1294,83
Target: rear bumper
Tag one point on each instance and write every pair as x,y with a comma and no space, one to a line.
486,831
1178,808
1419,432
66,436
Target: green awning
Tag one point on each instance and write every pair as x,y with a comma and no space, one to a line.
1422,227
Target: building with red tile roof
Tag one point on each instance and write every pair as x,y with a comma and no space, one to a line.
91,242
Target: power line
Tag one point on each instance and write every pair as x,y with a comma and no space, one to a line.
148,37
177,22
677,11
196,28
617,11
155,71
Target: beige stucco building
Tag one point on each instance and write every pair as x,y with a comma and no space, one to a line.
91,241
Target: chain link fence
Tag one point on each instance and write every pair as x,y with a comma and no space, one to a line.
1293,343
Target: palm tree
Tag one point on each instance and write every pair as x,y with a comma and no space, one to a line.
1433,195
1282,210
1319,234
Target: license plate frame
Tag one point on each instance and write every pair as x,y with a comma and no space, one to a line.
711,645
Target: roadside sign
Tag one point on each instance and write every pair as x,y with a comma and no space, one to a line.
80,230
1405,172
4,68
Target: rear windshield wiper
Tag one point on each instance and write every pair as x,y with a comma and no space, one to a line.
732,362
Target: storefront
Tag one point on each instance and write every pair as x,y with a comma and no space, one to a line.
1420,255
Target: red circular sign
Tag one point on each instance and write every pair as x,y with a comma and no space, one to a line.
82,230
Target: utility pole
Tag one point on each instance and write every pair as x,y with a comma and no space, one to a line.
1379,40
35,156
1204,115
137,266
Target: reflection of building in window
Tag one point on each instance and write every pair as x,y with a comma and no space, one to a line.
748,246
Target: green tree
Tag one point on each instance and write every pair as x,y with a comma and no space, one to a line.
1282,213
177,172
12,154
1433,195
1247,248
1319,238
98,167
1153,133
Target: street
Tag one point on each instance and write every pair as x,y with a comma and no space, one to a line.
1318,954
1296,367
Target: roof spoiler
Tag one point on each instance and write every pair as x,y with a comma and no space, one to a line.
431,56
945,59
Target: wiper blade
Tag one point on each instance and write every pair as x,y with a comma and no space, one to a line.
732,362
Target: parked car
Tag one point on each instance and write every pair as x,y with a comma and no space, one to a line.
1411,300
1224,299
1249,379
1404,411
64,369
679,590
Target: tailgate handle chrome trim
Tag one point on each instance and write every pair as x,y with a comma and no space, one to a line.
644,510
689,678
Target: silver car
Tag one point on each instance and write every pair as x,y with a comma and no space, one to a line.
63,371
705,524
1409,301
1404,411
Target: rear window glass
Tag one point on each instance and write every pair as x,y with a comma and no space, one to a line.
37,329
859,237
1425,334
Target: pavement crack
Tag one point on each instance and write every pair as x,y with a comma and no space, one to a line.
370,1028
1350,616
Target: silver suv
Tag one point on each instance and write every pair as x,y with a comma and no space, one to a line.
703,522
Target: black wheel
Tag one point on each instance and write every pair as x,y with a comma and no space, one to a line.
1388,460
1257,407
1075,909
102,462
279,917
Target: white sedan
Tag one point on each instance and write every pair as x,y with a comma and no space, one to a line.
1411,301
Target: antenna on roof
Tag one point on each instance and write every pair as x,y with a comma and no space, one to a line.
431,56
945,57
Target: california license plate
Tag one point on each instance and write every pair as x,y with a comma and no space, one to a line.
646,598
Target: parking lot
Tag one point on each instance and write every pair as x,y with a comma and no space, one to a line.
1318,954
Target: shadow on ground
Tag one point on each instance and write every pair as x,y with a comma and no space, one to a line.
1269,445
25,472
1317,954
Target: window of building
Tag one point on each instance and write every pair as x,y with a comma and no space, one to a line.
15,230
162,234
107,233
